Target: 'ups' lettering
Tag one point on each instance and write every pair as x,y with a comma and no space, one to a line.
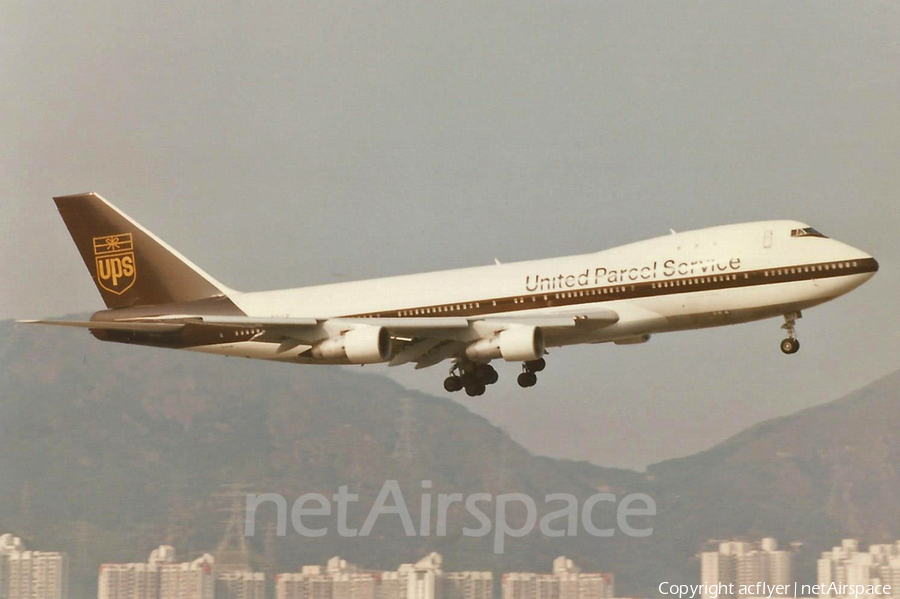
113,268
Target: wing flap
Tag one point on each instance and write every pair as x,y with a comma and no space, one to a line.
237,321
414,350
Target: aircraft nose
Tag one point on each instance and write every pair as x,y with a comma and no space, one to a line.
869,266
867,261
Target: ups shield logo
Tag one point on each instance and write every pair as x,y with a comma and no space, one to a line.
114,257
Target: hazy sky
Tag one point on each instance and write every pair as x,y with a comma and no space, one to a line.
292,143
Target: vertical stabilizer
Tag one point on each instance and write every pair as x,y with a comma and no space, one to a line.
129,264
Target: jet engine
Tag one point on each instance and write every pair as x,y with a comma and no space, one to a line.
360,345
515,344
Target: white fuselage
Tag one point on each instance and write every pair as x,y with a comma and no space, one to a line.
709,277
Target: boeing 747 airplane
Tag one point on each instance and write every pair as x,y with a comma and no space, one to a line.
710,277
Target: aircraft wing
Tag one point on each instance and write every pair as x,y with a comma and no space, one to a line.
428,326
597,317
426,341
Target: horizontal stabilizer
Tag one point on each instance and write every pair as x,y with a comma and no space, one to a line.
143,327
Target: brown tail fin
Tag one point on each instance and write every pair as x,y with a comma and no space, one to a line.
129,264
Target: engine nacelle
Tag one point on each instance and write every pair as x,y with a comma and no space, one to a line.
516,344
361,345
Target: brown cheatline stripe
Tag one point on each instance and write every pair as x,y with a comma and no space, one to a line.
632,290
197,336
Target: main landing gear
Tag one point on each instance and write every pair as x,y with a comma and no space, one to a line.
472,377
528,378
790,345
475,378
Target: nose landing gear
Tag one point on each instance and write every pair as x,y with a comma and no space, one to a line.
791,345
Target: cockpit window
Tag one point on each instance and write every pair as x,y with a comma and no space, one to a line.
807,232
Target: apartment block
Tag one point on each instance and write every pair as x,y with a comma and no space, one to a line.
846,564
741,566
28,574
566,581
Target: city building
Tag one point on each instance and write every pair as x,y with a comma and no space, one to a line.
193,580
28,574
135,580
519,585
566,581
847,565
337,580
424,579
393,585
161,577
468,585
741,566
240,585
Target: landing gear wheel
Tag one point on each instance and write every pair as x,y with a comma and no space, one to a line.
527,379
453,384
536,365
475,389
488,375
790,346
